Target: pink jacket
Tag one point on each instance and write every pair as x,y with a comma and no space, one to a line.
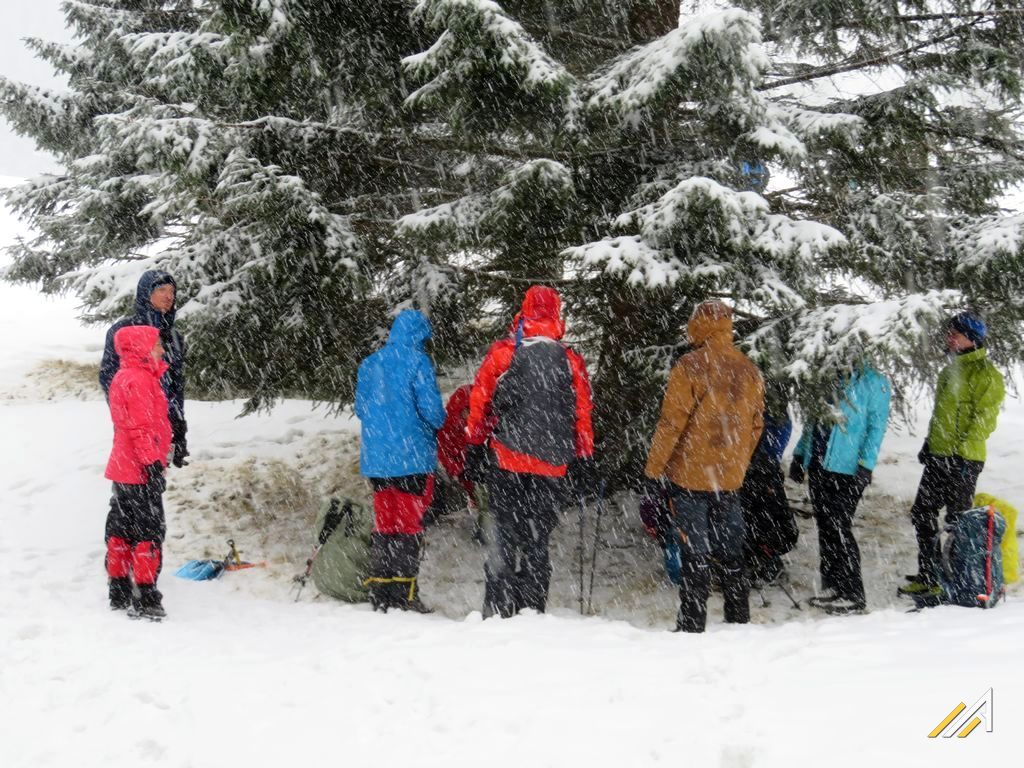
138,407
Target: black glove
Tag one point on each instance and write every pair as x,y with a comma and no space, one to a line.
655,512
478,463
796,470
179,431
155,476
864,476
924,453
180,452
582,475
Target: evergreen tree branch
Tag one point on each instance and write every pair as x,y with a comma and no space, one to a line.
875,61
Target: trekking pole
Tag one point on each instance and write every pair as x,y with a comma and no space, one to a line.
597,542
582,512
785,589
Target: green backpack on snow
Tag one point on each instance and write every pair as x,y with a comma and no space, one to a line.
343,562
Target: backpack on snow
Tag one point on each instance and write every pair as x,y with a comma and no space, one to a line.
343,562
972,559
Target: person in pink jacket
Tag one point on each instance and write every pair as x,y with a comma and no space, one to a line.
142,440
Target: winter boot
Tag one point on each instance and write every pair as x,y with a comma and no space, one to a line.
694,589
394,565
842,606
148,604
120,591
826,597
736,593
917,589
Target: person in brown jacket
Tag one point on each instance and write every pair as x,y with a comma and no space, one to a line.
711,420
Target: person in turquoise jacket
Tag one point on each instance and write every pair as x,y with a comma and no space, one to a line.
838,461
968,395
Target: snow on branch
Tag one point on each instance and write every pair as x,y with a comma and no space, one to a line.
989,243
718,51
705,233
641,264
478,36
532,183
834,337
160,137
702,210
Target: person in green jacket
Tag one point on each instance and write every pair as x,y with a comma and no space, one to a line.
967,399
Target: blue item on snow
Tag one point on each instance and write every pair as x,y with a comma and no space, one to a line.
200,570
855,442
173,381
398,403
973,559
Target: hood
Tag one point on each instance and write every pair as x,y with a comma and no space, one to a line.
710,320
541,313
149,282
133,345
410,329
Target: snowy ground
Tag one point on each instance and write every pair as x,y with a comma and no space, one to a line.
242,675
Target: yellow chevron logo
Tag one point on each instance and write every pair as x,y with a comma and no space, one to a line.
962,721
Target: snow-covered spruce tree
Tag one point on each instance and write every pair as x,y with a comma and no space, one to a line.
623,157
92,211
307,167
247,147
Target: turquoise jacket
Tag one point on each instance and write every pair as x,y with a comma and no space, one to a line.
856,439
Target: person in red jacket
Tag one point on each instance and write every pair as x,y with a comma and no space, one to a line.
529,419
142,440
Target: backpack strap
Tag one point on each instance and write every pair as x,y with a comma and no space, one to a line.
988,550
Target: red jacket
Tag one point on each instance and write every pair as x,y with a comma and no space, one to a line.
138,407
540,316
451,438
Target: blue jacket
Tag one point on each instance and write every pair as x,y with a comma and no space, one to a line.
173,382
855,441
398,403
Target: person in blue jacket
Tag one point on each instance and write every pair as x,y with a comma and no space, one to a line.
839,460
400,407
155,297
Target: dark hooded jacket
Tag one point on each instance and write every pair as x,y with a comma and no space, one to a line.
173,381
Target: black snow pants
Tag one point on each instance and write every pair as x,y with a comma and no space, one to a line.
950,482
518,569
711,534
834,498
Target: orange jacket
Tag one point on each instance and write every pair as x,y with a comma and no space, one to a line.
712,414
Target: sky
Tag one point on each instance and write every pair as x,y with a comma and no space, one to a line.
21,19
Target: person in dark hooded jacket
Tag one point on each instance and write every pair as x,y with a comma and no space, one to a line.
529,420
155,297
400,407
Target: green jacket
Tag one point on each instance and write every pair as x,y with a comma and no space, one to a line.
967,400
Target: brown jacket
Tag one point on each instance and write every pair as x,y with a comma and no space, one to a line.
711,417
